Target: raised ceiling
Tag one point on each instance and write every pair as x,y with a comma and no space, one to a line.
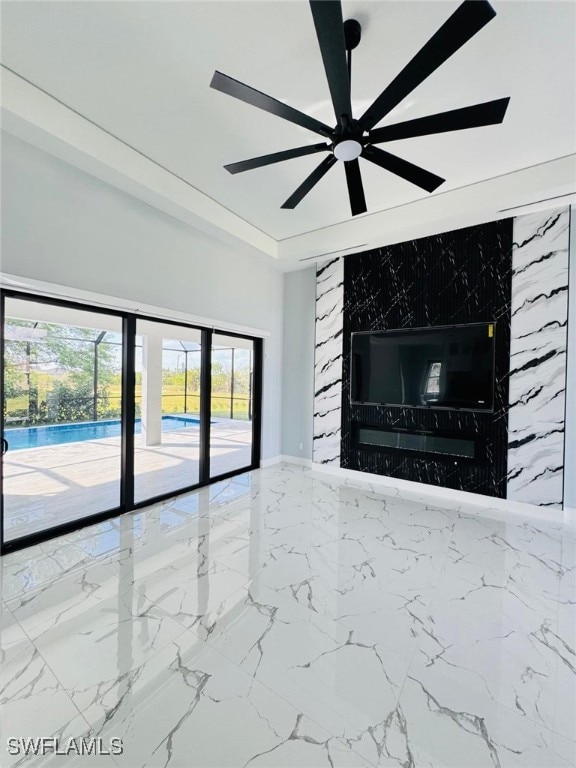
141,71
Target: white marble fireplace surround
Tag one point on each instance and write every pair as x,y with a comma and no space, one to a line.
328,361
538,359
289,618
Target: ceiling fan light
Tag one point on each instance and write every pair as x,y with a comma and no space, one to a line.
347,150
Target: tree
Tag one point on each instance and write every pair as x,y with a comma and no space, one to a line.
49,373
221,377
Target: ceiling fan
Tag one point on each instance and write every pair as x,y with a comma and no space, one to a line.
353,138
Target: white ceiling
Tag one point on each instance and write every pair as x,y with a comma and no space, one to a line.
141,70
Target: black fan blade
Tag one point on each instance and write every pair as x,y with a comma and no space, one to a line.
465,22
309,182
412,173
251,96
355,187
489,113
329,25
276,157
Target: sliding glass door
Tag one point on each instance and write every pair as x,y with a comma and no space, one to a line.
231,404
62,405
167,409
106,411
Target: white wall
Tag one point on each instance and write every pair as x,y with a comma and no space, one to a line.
298,362
63,226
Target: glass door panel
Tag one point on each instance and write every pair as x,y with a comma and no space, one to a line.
167,405
62,372
231,433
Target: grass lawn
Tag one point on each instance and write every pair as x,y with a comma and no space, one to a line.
172,402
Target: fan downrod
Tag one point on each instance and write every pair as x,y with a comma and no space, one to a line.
352,34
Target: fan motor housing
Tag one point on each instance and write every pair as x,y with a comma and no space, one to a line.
352,34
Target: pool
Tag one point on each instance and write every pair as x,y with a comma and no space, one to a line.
35,437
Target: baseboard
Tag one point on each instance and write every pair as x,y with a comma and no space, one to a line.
570,516
421,491
297,460
270,462
285,458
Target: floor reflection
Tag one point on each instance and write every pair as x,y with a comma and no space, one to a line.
286,618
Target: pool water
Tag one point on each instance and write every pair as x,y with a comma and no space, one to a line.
35,437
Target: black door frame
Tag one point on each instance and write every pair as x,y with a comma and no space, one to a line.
126,479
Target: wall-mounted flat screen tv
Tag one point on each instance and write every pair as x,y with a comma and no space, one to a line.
439,367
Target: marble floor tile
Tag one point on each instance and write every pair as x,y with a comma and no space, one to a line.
87,651
531,673
33,703
496,589
288,618
75,590
191,707
440,732
336,675
189,587
28,570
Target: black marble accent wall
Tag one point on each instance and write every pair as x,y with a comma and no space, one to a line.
453,278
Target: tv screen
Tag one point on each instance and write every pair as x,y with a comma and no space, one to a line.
442,367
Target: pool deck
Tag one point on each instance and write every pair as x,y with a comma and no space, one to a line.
54,484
